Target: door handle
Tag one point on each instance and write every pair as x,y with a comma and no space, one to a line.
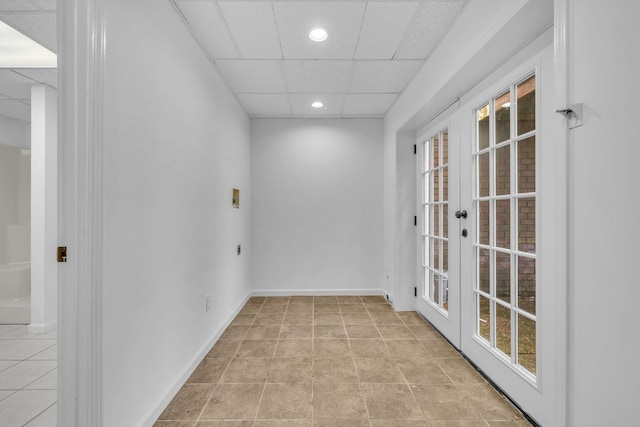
461,214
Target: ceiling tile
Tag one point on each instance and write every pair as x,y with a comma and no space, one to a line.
253,76
431,23
40,27
16,5
261,104
253,27
40,75
46,4
301,104
382,76
367,103
317,75
15,110
383,29
208,27
15,86
341,19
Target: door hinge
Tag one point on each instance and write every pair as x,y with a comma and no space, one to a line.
415,291
415,149
62,254
415,220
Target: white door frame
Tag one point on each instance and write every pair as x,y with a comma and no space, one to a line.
81,48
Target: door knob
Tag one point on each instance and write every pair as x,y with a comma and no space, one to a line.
461,214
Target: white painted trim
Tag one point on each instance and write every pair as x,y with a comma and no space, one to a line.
42,328
318,292
561,78
81,43
156,410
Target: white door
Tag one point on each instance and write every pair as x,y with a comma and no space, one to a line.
485,285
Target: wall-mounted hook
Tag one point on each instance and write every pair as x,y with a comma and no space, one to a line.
573,114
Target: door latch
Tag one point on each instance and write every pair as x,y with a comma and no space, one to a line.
461,214
62,254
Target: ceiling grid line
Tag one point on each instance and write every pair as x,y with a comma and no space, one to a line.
406,32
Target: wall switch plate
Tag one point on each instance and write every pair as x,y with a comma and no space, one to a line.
207,302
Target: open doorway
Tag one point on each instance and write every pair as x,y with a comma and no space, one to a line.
28,213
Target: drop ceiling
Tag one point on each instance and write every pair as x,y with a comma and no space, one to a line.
262,51
37,20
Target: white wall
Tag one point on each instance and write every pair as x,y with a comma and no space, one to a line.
604,382
316,205
14,133
14,198
175,145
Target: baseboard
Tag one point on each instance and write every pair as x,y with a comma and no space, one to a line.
152,415
42,328
316,292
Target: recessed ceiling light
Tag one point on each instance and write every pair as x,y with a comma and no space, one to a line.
506,105
19,51
317,104
318,34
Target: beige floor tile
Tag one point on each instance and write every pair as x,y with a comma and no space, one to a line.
263,332
235,332
510,423
224,424
340,423
268,318
417,371
357,318
256,300
424,332
290,370
379,308
286,401
386,319
327,319
492,405
243,319
411,318
246,370
283,423
210,370
290,331
395,332
451,423
439,348
188,402
251,309
273,308
407,348
325,308
174,424
445,402
331,348
301,299
224,348
362,331
334,370
325,300
300,308
352,308
379,299
332,401
380,370
276,300
363,347
233,402
399,423
391,401
329,331
460,371
349,300
294,348
298,318
256,348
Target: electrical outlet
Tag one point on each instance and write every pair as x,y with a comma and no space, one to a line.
239,249
207,302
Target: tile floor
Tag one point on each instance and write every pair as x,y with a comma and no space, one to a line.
28,382
334,361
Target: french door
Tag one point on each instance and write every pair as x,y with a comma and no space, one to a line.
483,282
